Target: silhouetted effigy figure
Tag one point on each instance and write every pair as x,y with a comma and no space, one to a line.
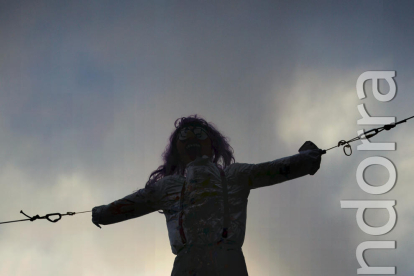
203,195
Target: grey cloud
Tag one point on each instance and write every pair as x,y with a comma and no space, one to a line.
92,89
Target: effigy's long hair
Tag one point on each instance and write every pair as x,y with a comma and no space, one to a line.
222,151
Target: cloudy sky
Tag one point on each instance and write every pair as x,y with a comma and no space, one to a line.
89,92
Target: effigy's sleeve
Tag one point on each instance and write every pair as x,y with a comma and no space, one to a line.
140,203
279,170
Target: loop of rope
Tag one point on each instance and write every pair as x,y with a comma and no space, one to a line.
345,145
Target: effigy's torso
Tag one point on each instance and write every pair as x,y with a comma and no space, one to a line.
203,207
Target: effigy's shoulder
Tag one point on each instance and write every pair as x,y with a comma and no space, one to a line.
172,183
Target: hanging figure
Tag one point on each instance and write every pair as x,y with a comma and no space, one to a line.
203,195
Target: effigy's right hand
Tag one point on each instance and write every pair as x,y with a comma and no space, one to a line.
95,215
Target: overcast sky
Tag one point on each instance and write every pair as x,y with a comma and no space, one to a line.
90,90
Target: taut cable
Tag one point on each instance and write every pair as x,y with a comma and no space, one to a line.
45,217
366,135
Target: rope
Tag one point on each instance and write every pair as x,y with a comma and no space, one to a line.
46,216
366,135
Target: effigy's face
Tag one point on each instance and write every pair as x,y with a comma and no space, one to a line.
193,141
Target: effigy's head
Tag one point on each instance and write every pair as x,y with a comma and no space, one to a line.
193,136
193,140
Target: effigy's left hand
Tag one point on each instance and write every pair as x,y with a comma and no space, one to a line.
315,153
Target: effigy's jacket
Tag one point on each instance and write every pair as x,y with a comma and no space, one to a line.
202,203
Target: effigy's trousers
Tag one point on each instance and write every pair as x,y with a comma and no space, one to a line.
218,260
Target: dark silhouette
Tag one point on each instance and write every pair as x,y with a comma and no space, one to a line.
222,156
203,194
